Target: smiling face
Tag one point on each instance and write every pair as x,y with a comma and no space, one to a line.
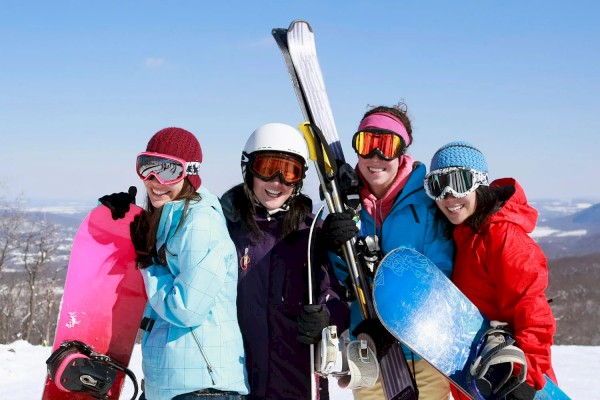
458,210
378,173
272,194
160,194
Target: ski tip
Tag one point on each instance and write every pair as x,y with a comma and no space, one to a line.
280,36
300,22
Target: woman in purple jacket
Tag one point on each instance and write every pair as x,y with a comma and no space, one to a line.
269,220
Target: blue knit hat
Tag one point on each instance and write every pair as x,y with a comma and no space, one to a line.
458,154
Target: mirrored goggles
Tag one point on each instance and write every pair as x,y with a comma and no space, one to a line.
386,144
455,180
267,166
165,168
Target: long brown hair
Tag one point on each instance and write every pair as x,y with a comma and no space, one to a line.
488,202
243,203
187,193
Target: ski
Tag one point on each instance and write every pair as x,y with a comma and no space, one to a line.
299,53
339,184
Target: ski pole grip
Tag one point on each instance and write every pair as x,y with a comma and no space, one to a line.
310,143
312,149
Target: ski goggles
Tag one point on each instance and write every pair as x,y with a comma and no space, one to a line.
165,168
458,181
267,166
386,144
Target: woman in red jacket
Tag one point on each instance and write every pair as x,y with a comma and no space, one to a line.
498,266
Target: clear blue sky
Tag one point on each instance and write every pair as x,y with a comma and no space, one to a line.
84,84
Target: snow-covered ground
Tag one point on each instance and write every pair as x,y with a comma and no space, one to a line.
543,231
23,369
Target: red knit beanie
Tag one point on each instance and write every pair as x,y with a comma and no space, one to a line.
179,143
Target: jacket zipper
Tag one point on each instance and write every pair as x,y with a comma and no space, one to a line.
208,364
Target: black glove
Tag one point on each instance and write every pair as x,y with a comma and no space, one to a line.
311,322
138,230
119,202
522,392
382,338
338,228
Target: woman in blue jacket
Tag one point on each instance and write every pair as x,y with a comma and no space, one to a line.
269,221
192,345
395,209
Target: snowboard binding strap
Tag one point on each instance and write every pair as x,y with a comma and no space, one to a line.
75,367
492,370
362,365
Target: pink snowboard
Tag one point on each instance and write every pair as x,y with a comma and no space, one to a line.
104,294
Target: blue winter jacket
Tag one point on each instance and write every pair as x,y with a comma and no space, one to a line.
195,342
272,290
412,222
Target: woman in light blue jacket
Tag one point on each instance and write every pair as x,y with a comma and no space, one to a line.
192,347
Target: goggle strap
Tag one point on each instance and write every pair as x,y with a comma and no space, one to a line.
192,168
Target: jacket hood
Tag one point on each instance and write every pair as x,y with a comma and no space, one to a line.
230,212
515,210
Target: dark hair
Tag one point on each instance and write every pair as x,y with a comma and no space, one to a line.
187,193
399,111
488,201
244,203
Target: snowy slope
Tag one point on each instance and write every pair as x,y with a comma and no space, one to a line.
22,371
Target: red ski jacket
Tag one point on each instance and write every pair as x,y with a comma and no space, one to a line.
504,273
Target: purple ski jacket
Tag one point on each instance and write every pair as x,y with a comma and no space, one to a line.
272,289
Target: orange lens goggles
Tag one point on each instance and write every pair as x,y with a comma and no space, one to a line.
386,144
267,166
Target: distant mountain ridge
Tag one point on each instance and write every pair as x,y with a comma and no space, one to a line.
550,209
71,221
572,235
588,219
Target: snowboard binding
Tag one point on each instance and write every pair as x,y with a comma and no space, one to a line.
362,365
328,353
369,252
492,370
75,367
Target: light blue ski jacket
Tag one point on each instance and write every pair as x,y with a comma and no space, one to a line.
412,223
195,342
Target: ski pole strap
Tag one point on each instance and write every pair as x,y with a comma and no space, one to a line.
75,367
492,370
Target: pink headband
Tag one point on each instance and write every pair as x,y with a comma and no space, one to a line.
387,122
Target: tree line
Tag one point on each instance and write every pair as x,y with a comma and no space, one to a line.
30,276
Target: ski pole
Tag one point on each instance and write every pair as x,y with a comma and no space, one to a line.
313,382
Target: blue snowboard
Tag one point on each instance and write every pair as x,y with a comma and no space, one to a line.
423,309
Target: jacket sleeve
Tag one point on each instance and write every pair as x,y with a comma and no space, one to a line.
520,271
204,253
438,246
332,291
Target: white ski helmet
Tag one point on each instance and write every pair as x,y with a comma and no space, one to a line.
275,137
